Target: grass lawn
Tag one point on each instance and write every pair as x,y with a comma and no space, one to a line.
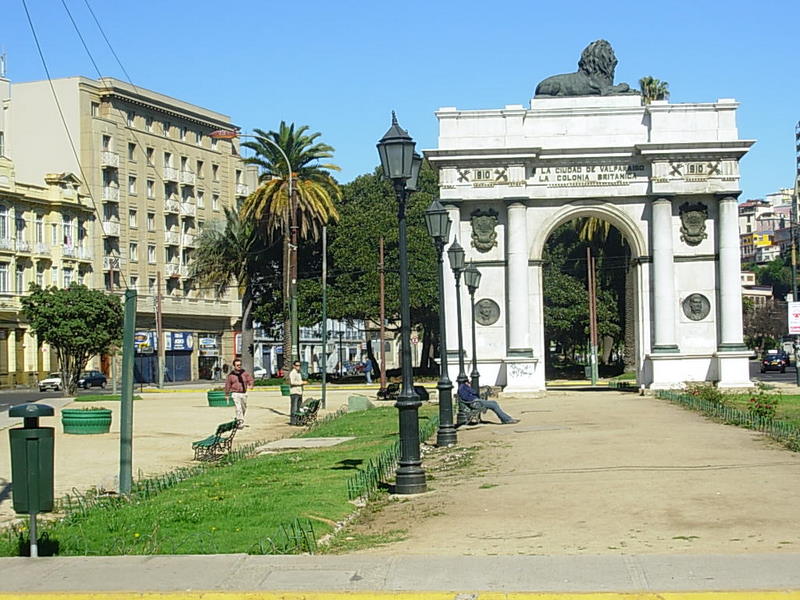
100,398
239,507
788,405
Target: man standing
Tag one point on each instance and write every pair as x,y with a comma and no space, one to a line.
236,384
368,369
295,391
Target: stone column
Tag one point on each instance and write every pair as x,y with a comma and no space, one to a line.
663,277
730,289
517,281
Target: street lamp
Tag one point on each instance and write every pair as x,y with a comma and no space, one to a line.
472,277
228,134
401,165
455,255
438,224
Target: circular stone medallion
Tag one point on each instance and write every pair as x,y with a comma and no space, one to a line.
486,312
696,307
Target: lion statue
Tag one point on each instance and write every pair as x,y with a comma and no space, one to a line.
595,76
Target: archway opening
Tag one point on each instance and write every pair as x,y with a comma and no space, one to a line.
565,294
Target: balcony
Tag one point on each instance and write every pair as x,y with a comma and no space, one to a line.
242,189
84,253
172,238
113,262
171,174
23,246
172,206
70,251
172,270
110,194
189,239
41,248
188,210
184,271
109,160
7,244
188,178
111,228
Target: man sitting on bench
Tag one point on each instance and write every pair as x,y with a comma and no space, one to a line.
471,399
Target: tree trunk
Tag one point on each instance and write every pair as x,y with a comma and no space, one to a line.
247,331
629,355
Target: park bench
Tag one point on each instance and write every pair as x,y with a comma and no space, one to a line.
475,411
307,413
214,446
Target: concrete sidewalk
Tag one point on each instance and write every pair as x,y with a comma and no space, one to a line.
459,578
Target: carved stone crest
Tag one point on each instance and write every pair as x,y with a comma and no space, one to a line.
693,223
486,312
696,307
484,237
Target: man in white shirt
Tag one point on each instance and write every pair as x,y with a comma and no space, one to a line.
296,384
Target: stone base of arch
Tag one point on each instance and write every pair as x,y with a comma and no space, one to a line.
674,370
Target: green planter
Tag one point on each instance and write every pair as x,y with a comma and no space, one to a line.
83,422
285,387
217,398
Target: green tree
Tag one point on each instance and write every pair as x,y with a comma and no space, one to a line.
313,203
77,322
368,213
653,89
777,274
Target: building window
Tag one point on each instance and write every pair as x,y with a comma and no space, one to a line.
201,199
167,159
134,252
54,234
131,151
167,127
135,283
67,277
4,278
132,185
215,201
131,118
184,131
2,144
106,143
215,172
54,276
68,232
95,109
4,232
39,229
213,143
148,123
20,279
151,189
198,138
150,152
40,278
132,218
151,221
151,285
151,254
200,165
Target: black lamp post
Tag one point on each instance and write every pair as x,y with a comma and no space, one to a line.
439,229
455,255
401,165
472,278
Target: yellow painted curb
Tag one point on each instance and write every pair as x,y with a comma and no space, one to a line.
311,595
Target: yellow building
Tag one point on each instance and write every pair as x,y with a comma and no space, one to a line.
45,238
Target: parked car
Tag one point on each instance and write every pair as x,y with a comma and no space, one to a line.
774,360
52,382
260,372
92,379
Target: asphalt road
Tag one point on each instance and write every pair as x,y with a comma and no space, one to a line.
8,399
755,373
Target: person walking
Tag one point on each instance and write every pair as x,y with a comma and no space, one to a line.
296,384
471,399
368,369
237,383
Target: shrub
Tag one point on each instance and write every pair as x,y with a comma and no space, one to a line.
762,405
707,392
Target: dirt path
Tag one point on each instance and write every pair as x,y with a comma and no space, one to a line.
598,473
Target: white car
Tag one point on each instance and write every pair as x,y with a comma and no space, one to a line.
53,382
260,372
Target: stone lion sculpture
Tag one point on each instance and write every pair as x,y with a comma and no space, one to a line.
595,76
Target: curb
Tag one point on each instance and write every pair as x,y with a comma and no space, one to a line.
275,388
463,595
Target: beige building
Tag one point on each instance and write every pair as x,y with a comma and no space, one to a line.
154,177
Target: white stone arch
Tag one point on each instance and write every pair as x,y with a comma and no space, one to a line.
590,208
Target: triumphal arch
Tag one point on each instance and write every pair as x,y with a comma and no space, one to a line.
666,175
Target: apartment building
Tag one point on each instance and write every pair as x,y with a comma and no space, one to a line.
154,178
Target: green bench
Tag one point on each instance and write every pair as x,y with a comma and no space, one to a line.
214,446
307,413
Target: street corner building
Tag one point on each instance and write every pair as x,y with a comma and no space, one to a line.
665,175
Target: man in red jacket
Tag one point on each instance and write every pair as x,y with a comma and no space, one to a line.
236,384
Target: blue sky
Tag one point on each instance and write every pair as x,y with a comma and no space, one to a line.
341,67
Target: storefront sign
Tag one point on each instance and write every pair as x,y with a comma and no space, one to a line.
144,342
208,346
180,341
794,318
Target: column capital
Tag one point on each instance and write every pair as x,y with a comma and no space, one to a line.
662,198
516,202
726,195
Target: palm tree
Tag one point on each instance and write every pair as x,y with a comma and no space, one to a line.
312,205
226,255
653,89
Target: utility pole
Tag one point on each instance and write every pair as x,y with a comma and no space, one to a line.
592,315
382,318
159,334
324,361
795,200
126,397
